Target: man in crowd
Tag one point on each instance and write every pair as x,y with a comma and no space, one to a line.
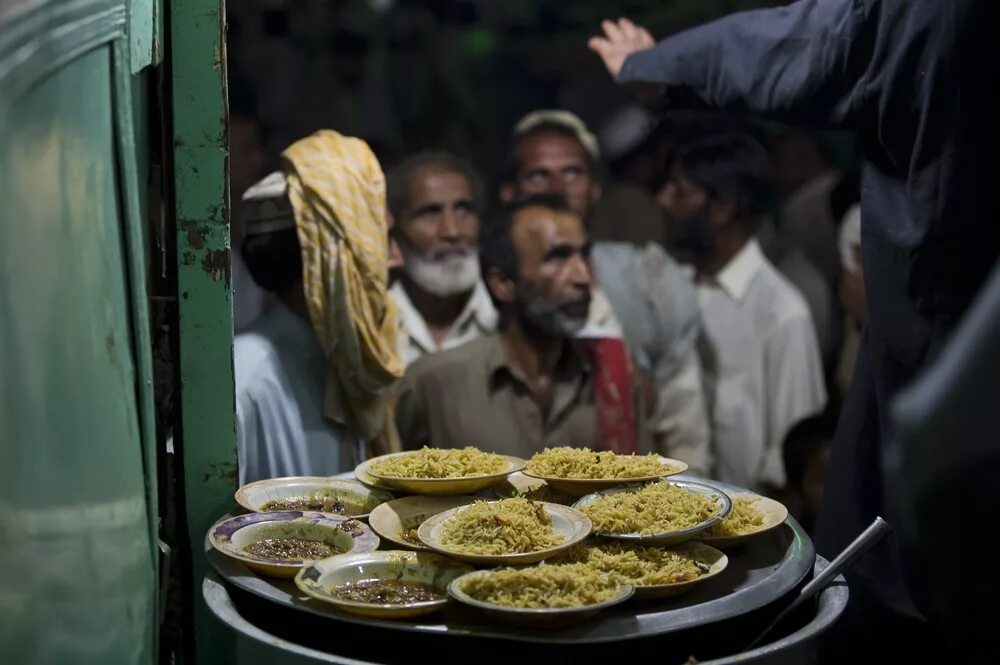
435,200
532,384
763,362
554,152
312,372
907,77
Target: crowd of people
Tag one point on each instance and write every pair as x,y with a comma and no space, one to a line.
536,312
517,326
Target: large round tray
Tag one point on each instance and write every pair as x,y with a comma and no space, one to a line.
759,573
272,648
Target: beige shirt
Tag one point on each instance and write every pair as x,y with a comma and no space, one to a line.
469,397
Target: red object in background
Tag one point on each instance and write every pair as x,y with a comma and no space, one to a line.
613,392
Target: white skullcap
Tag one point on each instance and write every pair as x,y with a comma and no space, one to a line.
563,119
268,207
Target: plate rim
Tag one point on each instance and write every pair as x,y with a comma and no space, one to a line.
731,540
680,533
350,559
683,467
628,590
240,494
367,538
512,461
418,546
508,559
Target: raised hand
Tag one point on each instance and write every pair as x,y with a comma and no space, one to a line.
621,39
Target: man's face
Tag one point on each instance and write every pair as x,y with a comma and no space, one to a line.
686,204
439,231
555,163
553,284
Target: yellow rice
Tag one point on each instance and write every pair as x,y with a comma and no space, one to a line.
744,518
583,464
637,565
542,587
659,507
509,526
441,463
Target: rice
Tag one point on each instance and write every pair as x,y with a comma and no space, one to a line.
744,518
542,587
509,526
637,565
657,508
441,463
584,464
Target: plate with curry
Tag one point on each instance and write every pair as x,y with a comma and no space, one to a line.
385,585
278,544
345,498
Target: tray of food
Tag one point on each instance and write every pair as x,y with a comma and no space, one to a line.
639,557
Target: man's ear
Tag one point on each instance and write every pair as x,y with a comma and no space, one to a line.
508,192
501,285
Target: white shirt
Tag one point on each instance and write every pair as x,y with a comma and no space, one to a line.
280,372
763,369
478,318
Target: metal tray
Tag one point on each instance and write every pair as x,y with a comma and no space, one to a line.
759,573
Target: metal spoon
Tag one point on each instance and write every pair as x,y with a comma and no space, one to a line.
878,530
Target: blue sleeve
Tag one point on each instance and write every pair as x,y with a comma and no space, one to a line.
807,62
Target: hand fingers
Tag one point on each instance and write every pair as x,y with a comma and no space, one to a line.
629,29
599,45
612,30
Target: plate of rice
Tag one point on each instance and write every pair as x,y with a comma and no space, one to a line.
655,572
540,595
398,520
752,514
657,513
508,532
580,471
438,471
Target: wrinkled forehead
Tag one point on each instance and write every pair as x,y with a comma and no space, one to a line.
550,150
537,230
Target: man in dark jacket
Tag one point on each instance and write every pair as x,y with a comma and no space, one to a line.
908,76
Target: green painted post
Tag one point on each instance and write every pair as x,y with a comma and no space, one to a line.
207,440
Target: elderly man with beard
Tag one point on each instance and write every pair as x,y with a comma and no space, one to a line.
535,382
435,199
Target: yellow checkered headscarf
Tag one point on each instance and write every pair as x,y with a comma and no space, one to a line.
337,189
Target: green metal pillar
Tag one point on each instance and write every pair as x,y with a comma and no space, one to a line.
206,440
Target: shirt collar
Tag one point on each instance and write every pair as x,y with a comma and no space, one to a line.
572,365
479,310
736,276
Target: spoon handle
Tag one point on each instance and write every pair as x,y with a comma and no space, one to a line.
878,530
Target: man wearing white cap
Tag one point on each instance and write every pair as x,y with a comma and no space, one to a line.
313,372
553,151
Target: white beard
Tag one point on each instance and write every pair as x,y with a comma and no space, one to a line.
442,277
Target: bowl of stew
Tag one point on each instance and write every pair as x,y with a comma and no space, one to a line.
278,544
389,585
345,498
